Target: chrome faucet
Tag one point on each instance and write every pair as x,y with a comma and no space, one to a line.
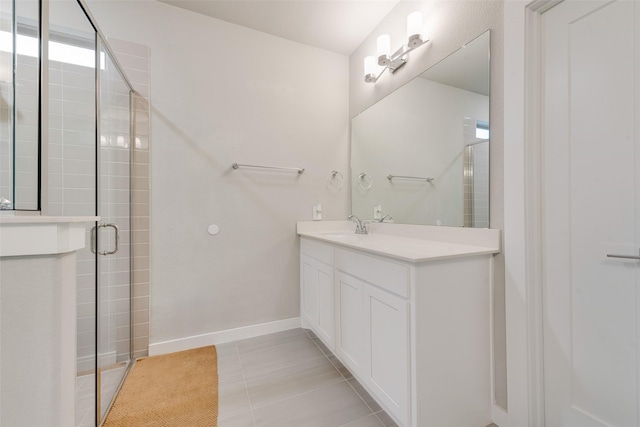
385,217
361,227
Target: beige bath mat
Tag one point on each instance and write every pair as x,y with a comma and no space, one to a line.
172,390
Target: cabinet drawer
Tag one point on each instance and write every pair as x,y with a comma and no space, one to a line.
314,249
385,274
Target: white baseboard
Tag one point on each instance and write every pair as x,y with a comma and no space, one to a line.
222,337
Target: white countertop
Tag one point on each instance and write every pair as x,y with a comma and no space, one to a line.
38,219
24,235
428,245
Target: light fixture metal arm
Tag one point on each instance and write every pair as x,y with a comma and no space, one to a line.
397,59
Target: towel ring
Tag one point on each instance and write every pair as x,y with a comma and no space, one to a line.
364,181
336,179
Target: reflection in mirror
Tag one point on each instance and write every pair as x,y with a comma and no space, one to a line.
424,149
19,107
6,104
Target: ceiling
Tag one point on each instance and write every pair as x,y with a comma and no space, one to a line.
335,25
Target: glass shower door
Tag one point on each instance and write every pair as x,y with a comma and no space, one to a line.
113,235
71,170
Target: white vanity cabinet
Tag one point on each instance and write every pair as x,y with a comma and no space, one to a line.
317,303
416,334
374,325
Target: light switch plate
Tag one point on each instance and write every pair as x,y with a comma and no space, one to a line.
377,212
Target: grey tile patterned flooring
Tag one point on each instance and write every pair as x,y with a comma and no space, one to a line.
290,379
286,379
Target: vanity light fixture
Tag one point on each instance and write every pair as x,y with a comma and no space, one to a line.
373,68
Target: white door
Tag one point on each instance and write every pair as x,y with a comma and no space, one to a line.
591,208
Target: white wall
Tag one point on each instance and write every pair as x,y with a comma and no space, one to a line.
222,94
410,134
450,24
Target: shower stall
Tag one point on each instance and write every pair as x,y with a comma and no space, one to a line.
66,147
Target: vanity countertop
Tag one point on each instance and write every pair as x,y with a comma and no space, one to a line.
405,242
24,235
38,219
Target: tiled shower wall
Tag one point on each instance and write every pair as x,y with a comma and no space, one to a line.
476,176
25,97
134,58
71,192
72,179
115,207
19,162
481,184
141,236
6,148
71,182
71,139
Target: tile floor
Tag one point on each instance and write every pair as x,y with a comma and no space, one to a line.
286,379
85,400
86,392
290,379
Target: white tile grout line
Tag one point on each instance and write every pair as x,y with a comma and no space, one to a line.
361,398
332,364
345,378
246,389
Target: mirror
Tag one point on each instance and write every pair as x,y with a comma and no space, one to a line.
421,154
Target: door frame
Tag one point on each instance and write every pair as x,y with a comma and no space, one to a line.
533,204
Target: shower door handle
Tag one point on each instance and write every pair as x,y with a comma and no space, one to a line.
94,231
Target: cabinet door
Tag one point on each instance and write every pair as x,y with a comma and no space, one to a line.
309,290
350,344
326,312
386,318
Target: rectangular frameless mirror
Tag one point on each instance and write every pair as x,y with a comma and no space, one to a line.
421,154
